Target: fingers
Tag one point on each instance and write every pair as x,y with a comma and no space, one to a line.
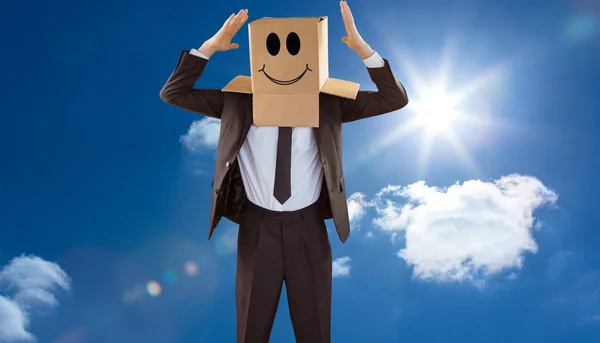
244,18
240,18
237,20
228,21
233,46
348,21
343,11
347,10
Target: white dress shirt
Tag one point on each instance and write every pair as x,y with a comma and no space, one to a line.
257,162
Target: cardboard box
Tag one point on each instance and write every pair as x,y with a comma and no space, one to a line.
289,62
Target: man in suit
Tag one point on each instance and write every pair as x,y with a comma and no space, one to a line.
280,184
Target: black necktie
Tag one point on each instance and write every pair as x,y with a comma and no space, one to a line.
283,166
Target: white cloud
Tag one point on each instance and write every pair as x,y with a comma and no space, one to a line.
201,134
341,266
28,283
466,230
356,208
13,322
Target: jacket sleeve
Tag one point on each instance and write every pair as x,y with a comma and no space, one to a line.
390,96
179,89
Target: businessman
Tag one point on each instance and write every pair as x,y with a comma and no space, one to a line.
280,184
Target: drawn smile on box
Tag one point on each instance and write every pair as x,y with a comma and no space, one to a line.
284,82
292,44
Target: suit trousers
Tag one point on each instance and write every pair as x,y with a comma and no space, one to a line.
276,247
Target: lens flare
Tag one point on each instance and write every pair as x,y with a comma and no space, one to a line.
153,288
170,276
127,297
227,243
132,295
580,28
191,268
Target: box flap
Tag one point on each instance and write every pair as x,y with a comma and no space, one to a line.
341,88
267,20
240,84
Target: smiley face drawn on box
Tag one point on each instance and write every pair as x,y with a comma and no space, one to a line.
288,55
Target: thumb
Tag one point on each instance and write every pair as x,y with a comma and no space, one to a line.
234,46
345,40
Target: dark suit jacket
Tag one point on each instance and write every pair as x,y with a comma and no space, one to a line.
235,112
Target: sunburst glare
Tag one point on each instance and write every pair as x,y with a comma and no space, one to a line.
436,111
440,109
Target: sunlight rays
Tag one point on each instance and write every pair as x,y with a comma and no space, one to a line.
440,110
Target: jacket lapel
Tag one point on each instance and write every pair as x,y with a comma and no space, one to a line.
247,124
323,121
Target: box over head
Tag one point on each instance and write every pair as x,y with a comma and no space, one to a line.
288,55
289,68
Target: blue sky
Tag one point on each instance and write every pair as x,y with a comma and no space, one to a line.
479,230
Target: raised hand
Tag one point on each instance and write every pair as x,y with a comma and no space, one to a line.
221,41
353,38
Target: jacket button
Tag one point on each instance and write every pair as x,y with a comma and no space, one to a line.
227,164
216,191
324,162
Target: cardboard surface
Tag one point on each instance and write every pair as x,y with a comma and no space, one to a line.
341,88
289,61
287,110
285,55
240,84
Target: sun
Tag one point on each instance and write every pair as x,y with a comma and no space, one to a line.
435,112
442,111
